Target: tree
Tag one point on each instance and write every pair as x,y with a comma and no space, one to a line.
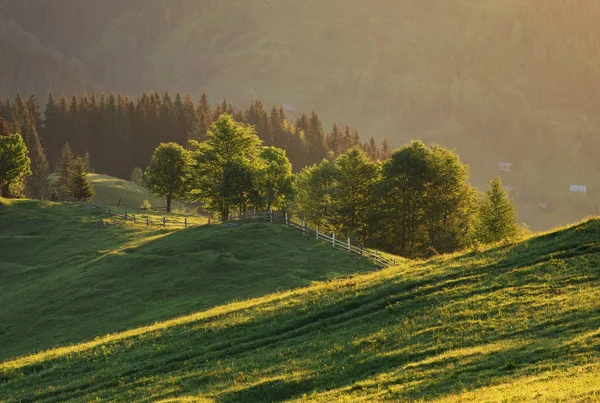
313,193
14,162
63,168
168,172
79,185
25,123
497,215
352,202
231,147
275,179
426,202
137,176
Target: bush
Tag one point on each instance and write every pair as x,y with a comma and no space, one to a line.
146,205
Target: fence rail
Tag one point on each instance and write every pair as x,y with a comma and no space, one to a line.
375,256
145,219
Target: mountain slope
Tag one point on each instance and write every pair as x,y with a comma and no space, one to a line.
63,280
516,322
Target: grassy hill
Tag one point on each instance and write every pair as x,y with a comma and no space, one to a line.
513,323
63,280
110,191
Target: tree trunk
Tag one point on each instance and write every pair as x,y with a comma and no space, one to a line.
4,191
169,197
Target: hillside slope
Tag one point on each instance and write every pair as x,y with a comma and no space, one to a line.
517,322
64,281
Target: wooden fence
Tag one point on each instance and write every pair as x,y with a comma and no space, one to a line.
346,245
300,226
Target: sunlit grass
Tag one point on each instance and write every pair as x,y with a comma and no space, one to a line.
515,322
64,280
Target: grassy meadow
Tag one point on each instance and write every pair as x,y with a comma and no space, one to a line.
63,280
517,322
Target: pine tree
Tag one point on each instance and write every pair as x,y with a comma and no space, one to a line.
79,185
497,215
316,138
335,140
205,119
36,185
256,116
277,128
385,152
63,169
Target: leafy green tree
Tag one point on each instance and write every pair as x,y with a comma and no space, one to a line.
426,202
313,193
352,202
451,202
231,152
80,187
275,179
497,215
63,169
14,162
168,172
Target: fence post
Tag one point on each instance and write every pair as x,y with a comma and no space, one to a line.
133,218
362,246
304,227
375,254
164,221
147,221
333,239
317,232
394,260
286,219
348,244
271,215
185,222
254,211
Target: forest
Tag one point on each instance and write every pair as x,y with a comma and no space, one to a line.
507,81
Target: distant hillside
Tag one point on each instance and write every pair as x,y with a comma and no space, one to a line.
507,81
63,280
513,323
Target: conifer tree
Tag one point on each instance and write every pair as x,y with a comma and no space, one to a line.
256,116
385,152
205,119
36,185
335,140
64,167
79,185
316,138
497,215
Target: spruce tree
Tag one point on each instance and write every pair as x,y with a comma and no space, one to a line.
256,116
497,215
63,169
205,119
36,185
335,140
79,185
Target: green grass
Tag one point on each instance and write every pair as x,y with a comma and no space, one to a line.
64,281
110,190
517,322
